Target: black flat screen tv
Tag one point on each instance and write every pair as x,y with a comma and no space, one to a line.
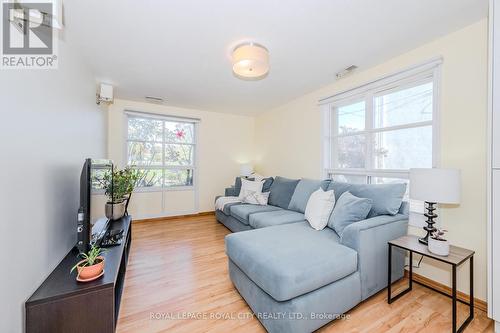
92,220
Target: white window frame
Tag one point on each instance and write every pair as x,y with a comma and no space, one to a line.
429,71
163,118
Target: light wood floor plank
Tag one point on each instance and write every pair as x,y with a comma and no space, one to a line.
179,267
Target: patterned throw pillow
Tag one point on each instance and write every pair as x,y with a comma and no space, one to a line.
250,186
256,198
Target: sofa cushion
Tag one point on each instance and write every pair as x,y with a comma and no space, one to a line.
277,217
227,207
282,191
303,191
386,198
292,259
348,209
242,212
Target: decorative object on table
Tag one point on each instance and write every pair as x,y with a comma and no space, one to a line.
434,186
92,265
246,170
119,186
438,244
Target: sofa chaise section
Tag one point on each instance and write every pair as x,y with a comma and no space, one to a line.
290,260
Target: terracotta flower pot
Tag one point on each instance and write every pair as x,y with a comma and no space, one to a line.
89,272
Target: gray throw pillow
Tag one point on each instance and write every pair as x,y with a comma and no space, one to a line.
281,191
268,182
303,191
348,209
386,198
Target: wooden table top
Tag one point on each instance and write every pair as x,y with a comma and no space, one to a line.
457,254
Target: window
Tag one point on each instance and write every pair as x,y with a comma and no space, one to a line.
376,133
163,149
391,130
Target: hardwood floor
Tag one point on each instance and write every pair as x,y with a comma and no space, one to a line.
177,281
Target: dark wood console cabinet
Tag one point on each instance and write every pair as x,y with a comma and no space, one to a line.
61,304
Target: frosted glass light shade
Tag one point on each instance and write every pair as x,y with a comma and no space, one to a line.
435,185
246,170
250,61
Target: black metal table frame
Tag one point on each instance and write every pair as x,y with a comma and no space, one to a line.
453,296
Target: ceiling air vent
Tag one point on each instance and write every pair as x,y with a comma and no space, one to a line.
346,71
153,99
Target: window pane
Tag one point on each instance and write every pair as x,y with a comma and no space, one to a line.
351,118
178,178
144,153
150,178
404,149
350,179
404,107
351,151
145,129
179,132
179,155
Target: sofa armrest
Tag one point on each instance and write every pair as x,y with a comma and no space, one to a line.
230,192
369,238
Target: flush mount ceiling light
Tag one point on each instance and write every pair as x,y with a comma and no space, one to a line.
250,61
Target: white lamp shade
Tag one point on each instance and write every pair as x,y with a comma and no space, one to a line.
250,61
246,170
435,185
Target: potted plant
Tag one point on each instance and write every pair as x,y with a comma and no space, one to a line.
92,265
118,187
438,244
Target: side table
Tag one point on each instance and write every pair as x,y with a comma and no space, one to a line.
456,258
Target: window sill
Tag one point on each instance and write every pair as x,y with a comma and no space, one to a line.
162,189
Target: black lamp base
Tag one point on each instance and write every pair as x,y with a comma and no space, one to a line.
430,222
424,240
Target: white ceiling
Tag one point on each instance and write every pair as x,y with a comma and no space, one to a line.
181,49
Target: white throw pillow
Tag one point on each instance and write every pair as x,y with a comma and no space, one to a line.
319,207
256,198
250,186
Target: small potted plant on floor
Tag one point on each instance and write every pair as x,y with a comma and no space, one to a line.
118,187
438,244
92,265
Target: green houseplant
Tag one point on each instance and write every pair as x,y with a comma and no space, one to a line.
92,264
118,188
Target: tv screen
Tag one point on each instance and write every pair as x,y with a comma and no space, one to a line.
92,224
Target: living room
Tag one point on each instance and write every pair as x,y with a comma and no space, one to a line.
321,166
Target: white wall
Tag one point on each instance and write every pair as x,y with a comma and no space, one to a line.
49,123
224,142
289,142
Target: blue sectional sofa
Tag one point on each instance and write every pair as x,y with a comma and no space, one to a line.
297,279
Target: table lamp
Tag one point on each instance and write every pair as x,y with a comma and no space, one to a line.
246,170
434,186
